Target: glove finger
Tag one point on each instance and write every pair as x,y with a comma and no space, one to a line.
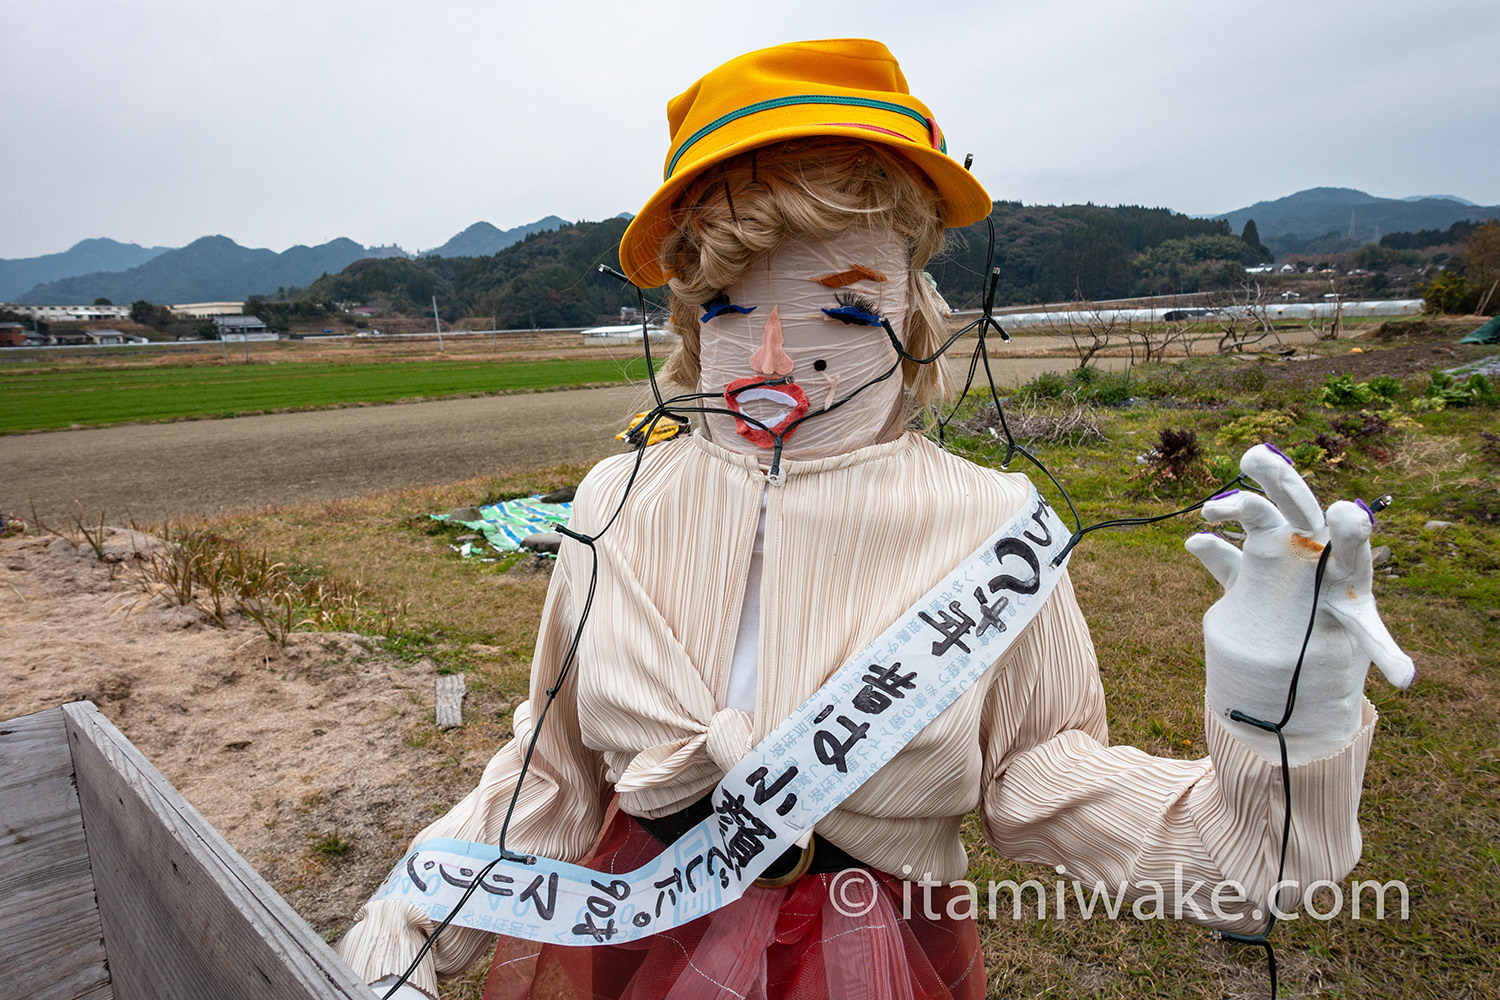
1363,623
1218,556
1253,511
1278,477
1349,527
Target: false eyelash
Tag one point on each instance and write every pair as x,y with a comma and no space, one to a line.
719,305
854,300
854,308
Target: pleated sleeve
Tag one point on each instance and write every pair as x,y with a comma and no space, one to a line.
1056,793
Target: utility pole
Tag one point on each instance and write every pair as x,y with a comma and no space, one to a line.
438,320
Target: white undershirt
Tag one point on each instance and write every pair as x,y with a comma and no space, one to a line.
742,668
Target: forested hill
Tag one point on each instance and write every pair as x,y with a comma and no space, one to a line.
1054,253
1045,253
549,279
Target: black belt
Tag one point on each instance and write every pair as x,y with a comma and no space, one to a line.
819,857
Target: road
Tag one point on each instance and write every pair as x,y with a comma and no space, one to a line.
200,468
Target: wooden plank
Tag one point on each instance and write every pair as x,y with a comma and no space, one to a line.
51,942
184,916
450,701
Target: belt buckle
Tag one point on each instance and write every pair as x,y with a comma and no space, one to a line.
804,862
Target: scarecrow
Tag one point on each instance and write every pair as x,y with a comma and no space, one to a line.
781,660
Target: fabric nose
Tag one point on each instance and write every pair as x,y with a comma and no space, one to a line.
771,359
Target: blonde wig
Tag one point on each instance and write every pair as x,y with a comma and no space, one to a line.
742,210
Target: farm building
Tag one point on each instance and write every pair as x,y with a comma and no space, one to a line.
242,328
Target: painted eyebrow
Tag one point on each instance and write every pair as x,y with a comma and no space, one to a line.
849,276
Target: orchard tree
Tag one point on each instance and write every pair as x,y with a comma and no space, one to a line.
1481,260
1449,292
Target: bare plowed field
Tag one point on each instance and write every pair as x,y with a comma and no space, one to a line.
151,472
199,468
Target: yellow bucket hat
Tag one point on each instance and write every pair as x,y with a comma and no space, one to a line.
848,87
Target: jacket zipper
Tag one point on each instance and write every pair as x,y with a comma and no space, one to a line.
749,514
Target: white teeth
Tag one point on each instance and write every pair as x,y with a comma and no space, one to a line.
767,394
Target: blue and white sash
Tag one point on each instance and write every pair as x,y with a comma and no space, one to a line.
866,712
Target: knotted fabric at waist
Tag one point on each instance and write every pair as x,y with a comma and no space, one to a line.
723,741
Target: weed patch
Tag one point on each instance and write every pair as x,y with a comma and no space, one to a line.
330,846
1175,454
222,576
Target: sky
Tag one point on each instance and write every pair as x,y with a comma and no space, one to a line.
279,122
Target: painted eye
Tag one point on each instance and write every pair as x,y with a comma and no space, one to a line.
719,305
855,309
819,365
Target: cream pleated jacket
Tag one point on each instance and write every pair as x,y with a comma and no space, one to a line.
850,543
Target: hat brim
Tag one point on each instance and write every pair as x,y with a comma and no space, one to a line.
964,199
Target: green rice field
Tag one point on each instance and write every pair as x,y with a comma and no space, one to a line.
93,397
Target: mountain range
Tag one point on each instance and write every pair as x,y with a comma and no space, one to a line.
482,239
1354,215
85,257
215,268
209,269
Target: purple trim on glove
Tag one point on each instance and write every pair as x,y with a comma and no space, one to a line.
1366,508
1278,451
1226,493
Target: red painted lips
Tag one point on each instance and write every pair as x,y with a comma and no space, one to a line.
785,402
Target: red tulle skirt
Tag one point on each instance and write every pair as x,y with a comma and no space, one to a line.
858,934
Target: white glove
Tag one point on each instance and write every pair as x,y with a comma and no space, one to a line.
406,992
1252,635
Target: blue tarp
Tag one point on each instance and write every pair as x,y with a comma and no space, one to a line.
506,523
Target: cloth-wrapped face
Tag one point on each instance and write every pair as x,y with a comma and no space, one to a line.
796,346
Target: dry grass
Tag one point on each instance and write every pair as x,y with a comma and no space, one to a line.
1431,457
1039,423
461,613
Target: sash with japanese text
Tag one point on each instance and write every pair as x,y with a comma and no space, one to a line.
867,711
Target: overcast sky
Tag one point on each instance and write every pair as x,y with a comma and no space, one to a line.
277,122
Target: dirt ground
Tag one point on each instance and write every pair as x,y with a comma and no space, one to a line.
295,755
1400,349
